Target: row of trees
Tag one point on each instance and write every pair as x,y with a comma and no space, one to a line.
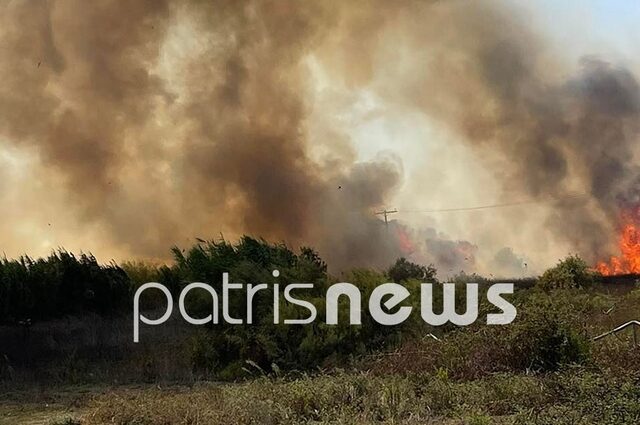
222,349
59,285
67,285
63,284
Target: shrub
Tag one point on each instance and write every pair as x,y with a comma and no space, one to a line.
540,340
572,272
223,349
59,285
203,352
548,333
403,270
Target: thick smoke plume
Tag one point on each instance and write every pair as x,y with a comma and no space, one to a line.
170,120
571,140
161,121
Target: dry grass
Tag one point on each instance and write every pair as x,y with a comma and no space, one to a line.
575,395
570,397
344,398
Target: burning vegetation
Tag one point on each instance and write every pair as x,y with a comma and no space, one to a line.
628,262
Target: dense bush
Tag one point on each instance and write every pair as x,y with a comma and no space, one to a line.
61,284
572,272
225,348
548,333
64,285
541,341
403,270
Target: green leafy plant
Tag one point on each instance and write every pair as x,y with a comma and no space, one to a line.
572,272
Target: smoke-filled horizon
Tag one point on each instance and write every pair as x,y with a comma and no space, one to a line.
128,127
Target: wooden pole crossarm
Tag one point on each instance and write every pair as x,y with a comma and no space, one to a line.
385,213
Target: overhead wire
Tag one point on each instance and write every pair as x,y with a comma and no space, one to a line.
492,206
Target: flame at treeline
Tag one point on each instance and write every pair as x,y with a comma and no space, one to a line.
405,243
629,244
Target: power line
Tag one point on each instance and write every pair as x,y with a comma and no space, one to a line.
491,206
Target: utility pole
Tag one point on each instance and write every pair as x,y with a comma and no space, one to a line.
386,213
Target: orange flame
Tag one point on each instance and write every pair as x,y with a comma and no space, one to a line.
629,259
404,241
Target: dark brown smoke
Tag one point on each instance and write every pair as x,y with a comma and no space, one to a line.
548,137
157,138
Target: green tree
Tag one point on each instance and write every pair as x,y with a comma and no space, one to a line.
403,270
572,272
